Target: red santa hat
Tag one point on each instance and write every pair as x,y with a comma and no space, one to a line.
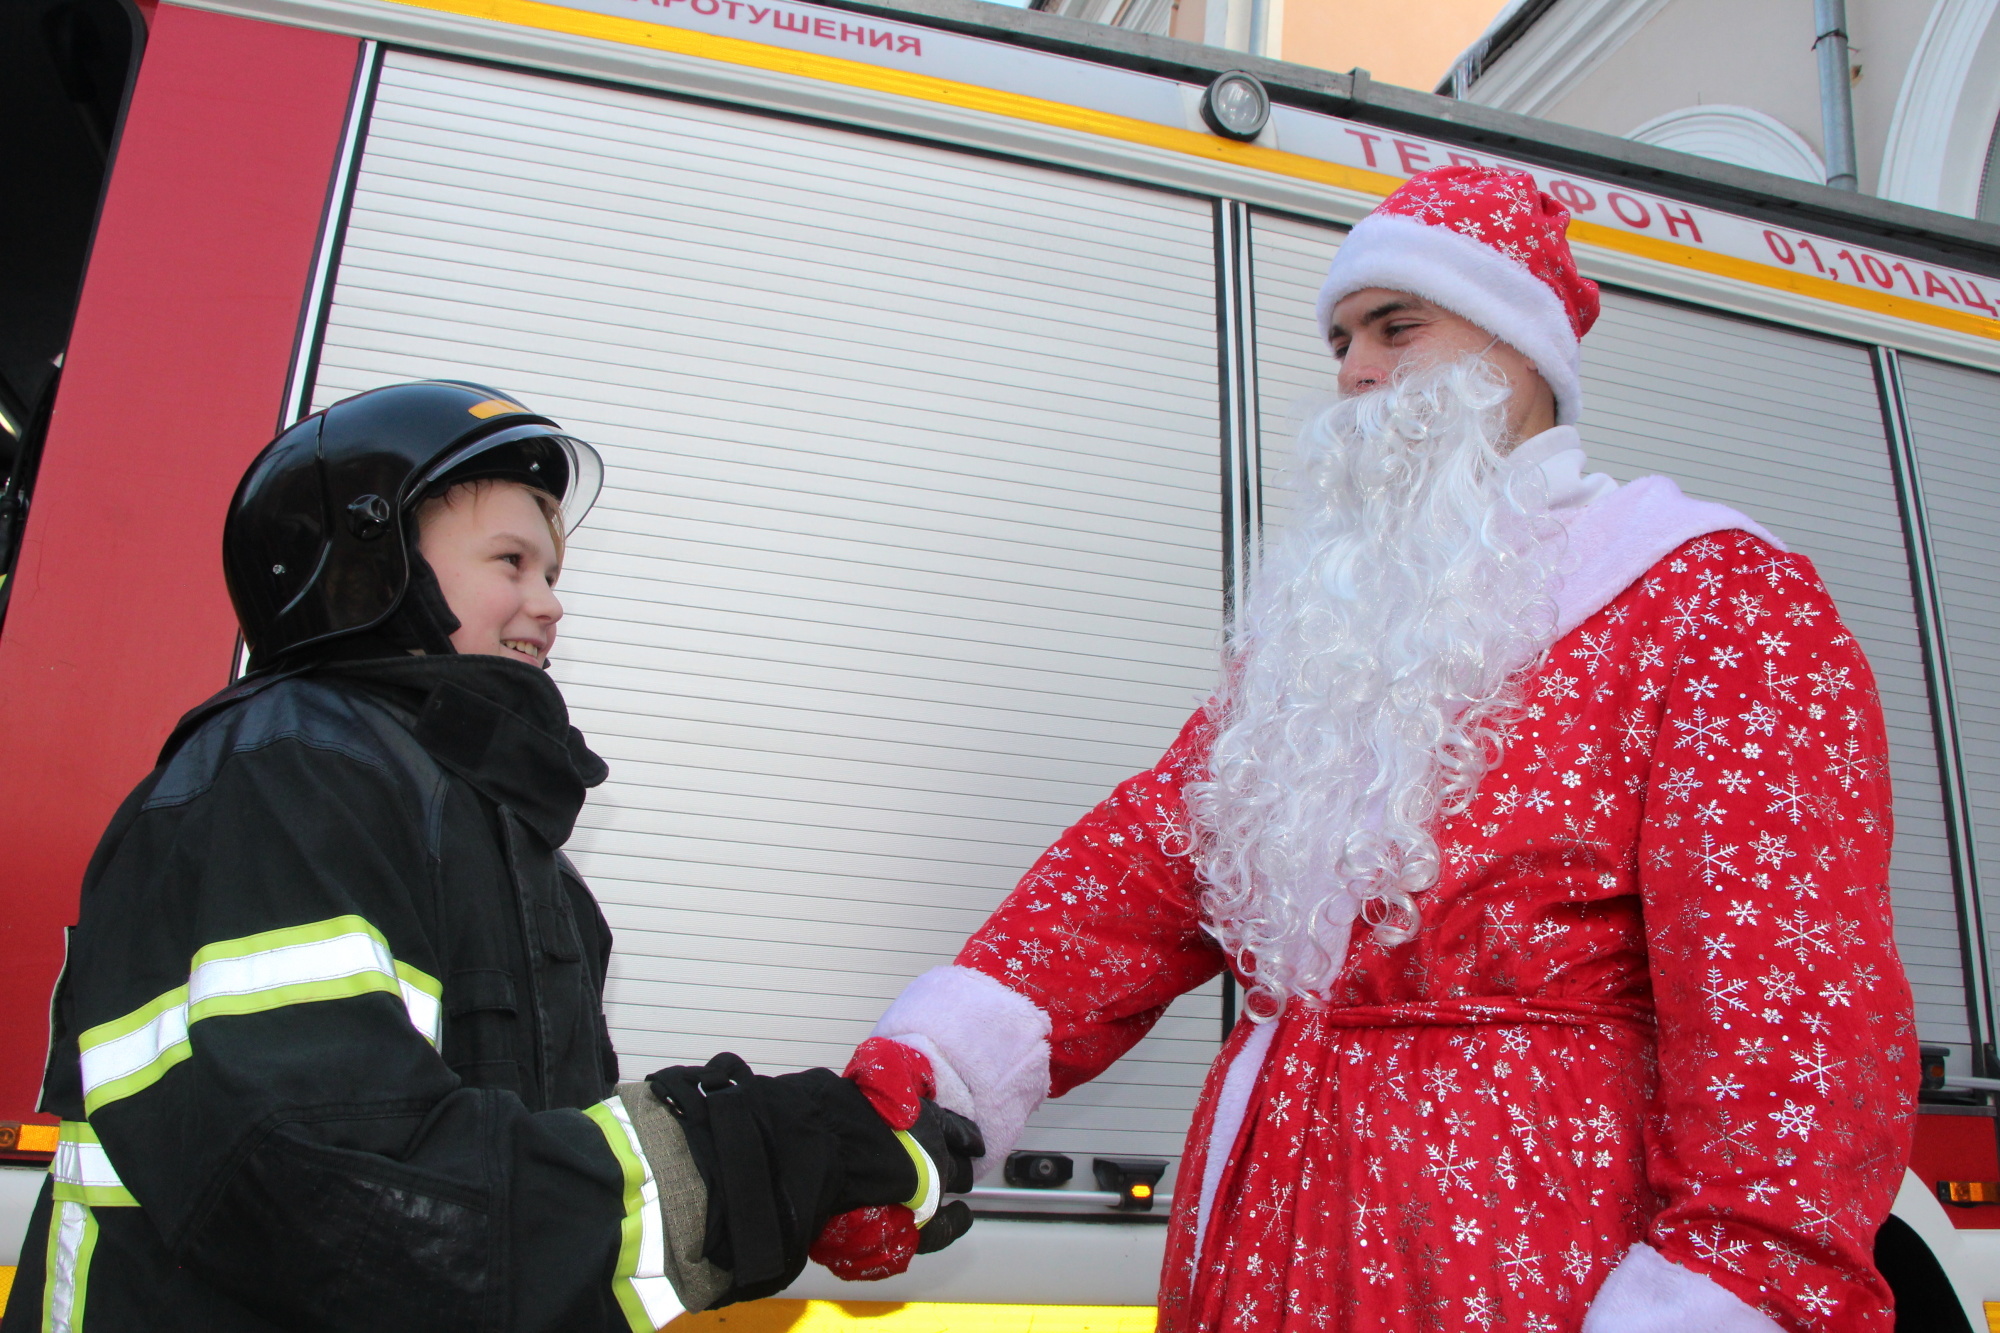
1483,243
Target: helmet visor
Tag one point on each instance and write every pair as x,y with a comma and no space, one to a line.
562,465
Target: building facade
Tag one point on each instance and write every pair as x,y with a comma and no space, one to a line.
1740,83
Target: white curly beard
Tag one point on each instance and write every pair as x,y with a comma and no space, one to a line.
1369,678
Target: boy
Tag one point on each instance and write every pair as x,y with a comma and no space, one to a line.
329,1048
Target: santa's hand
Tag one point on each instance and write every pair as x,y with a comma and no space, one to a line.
781,1157
867,1244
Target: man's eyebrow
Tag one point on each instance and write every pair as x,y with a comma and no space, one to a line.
1380,312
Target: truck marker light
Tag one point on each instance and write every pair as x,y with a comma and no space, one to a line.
1968,1193
1132,1178
16,1137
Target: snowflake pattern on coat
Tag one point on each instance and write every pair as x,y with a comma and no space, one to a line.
1655,996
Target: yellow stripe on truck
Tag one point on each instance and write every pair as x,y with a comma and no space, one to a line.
781,1316
919,87
1019,106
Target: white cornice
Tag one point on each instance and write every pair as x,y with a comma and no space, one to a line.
1564,46
1926,132
1738,134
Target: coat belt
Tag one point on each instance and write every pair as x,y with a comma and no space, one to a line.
1486,1011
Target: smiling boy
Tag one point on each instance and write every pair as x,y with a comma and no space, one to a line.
496,548
329,1048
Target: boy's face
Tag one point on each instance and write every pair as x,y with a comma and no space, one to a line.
497,565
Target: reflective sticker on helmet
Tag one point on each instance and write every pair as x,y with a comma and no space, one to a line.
494,407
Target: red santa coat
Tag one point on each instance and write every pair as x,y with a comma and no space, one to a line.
1654,1001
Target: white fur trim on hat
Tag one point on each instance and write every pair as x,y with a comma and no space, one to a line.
1469,279
988,1046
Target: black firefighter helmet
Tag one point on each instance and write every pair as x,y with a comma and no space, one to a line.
317,542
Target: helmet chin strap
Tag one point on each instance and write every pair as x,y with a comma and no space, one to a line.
421,625
422,622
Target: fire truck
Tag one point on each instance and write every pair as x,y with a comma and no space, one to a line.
942,357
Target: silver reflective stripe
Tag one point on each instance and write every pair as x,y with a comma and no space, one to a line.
83,1172
326,960
426,1010
72,1238
640,1282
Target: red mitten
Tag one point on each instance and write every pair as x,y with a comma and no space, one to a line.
893,1077
869,1244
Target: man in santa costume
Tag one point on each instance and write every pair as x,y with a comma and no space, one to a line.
1547,822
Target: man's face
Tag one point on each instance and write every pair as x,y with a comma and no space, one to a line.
496,563
1376,332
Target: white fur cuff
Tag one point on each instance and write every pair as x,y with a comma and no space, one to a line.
988,1047
1648,1294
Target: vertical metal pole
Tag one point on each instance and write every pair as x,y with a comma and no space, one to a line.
1260,24
1836,93
1238,435
1944,710
1236,349
332,232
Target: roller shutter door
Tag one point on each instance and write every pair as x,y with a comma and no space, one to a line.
1783,426
1955,421
1788,429
1294,369
909,549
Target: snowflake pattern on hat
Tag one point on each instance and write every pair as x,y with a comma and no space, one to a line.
1503,210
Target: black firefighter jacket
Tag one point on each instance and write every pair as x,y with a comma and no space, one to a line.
329,1047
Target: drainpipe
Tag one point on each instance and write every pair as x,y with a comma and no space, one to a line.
1260,27
1836,93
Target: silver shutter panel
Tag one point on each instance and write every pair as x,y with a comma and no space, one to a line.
1781,425
1294,368
1955,419
1787,428
909,547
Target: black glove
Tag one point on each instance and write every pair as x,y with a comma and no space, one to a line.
782,1155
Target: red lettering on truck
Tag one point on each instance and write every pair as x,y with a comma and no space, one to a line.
1618,202
1573,196
1977,300
1674,224
1368,142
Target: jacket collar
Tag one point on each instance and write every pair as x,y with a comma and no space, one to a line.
500,725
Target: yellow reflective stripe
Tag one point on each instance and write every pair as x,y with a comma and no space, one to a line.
83,1172
639,1282
334,959
120,1057
72,1240
924,1203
